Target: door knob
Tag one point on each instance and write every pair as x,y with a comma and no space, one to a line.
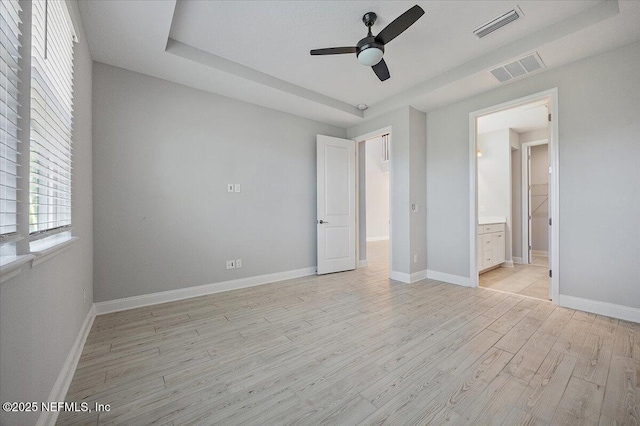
322,221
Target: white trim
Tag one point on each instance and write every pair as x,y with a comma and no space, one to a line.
400,276
61,386
626,313
363,138
377,239
373,135
539,253
362,263
449,278
48,253
419,276
554,184
517,260
507,264
408,278
201,290
14,267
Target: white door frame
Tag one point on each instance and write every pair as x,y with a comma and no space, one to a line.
526,200
551,96
358,140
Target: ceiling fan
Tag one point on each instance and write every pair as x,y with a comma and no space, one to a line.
370,49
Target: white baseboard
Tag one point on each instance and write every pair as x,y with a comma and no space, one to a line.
517,260
362,263
408,278
189,292
61,386
400,276
448,278
377,239
507,264
539,253
419,276
626,313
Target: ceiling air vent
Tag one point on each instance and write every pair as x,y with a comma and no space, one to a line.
518,68
497,23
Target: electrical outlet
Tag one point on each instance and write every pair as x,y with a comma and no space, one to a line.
238,263
415,208
231,264
230,187
237,187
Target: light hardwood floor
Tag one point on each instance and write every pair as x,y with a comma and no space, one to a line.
356,348
527,280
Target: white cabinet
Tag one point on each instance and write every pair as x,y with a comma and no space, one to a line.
491,250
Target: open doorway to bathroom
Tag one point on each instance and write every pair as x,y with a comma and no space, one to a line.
374,224
513,199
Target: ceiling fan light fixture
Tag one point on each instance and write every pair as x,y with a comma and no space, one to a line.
370,49
370,57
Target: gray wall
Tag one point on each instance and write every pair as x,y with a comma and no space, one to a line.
42,309
407,183
163,156
418,192
540,197
599,125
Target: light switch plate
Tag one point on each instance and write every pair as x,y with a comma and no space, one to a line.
229,187
231,264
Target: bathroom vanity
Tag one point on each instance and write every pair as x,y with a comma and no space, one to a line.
491,243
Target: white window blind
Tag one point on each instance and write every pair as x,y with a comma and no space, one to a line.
51,118
9,56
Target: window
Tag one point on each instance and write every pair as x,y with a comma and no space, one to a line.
9,56
51,119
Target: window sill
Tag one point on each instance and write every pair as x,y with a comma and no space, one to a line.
13,266
46,250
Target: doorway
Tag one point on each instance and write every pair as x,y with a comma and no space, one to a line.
374,167
513,185
535,203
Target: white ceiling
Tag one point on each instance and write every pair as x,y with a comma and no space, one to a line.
524,118
258,51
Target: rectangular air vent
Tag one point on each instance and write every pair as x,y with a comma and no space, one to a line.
518,68
497,23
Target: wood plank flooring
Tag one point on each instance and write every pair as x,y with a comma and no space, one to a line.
356,348
527,280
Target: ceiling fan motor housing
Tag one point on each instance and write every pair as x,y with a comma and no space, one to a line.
369,19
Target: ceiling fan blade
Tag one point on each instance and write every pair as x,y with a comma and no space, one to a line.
381,70
333,51
400,24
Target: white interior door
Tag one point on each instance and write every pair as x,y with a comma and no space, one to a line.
336,217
